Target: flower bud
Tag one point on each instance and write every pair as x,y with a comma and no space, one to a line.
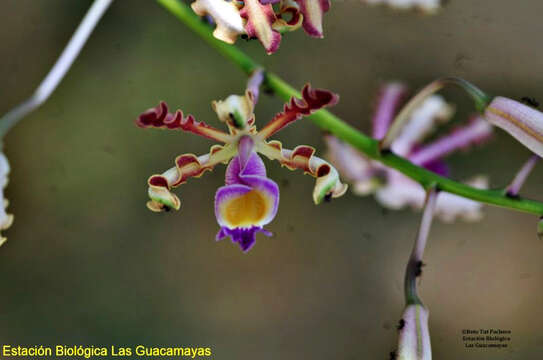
414,339
235,110
521,121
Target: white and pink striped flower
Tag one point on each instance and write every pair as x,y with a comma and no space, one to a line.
521,121
391,188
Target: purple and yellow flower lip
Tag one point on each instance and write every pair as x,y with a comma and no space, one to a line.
249,200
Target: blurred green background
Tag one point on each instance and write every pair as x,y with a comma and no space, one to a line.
87,263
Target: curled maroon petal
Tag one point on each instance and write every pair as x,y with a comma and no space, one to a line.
160,117
312,100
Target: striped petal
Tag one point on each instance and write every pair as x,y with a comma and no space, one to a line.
313,11
414,338
260,19
522,122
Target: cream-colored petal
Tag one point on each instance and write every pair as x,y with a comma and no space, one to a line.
226,16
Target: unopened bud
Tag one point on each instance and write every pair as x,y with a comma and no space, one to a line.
521,121
414,339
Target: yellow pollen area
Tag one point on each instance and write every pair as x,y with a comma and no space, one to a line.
245,210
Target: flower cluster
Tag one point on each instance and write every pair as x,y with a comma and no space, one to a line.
394,190
263,19
249,199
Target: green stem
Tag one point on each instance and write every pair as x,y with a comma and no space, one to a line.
328,121
196,24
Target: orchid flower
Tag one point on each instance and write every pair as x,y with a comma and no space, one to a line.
263,19
426,6
394,190
249,199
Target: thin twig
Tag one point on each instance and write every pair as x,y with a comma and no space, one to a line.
57,72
